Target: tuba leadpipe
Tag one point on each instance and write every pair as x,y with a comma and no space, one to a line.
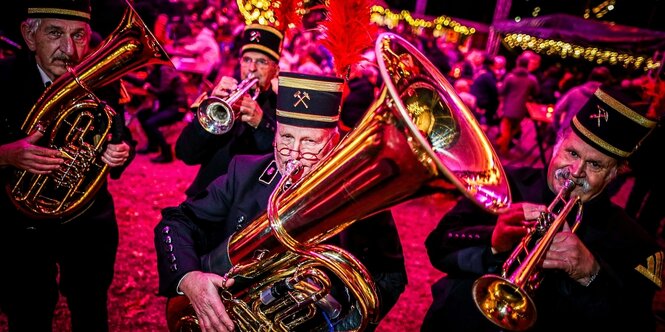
505,300
76,122
216,115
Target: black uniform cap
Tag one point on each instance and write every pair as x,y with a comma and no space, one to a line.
610,126
308,100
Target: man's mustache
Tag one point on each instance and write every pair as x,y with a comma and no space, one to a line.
564,173
67,60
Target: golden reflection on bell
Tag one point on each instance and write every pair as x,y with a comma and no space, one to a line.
216,115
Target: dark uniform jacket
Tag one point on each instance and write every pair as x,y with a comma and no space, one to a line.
33,251
195,146
187,234
619,299
20,87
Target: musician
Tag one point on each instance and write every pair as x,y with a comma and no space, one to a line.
254,128
191,239
601,277
73,256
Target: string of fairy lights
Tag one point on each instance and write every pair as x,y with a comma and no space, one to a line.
439,25
566,50
258,11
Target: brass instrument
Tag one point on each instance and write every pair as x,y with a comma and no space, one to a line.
77,123
505,299
216,115
416,139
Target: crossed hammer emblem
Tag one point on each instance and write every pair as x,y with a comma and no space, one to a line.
301,98
602,114
255,36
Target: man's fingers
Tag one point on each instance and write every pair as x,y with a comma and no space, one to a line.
34,137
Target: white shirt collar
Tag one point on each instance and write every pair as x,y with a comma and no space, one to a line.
45,79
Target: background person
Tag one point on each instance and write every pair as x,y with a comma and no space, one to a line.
602,277
191,239
519,87
573,100
167,88
45,258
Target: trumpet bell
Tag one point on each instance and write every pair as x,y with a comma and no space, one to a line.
503,303
216,115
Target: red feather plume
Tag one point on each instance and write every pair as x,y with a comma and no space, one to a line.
347,31
287,12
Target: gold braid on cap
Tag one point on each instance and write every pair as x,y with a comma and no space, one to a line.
307,84
252,46
310,117
59,11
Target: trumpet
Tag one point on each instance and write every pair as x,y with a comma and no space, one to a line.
505,299
216,115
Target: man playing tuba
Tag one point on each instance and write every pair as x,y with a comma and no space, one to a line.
51,257
192,239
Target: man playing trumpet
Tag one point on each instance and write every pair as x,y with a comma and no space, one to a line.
601,275
254,128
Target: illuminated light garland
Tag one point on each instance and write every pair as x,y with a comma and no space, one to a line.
259,11
592,54
385,17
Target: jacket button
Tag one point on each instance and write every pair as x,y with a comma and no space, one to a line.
174,267
169,247
172,258
166,230
167,239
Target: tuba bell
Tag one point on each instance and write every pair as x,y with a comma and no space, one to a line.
76,122
417,138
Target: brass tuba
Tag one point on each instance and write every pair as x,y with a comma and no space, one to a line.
505,300
76,122
416,139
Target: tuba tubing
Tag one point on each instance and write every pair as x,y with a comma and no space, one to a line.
70,100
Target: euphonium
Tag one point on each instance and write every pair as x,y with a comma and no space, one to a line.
77,123
505,299
216,115
416,139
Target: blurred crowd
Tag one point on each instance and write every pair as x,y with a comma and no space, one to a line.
203,39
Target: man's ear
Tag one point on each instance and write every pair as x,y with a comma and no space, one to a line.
28,36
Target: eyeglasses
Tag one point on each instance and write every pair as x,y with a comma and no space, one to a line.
259,63
306,155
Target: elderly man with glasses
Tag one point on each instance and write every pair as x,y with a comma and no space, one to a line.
192,239
254,128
